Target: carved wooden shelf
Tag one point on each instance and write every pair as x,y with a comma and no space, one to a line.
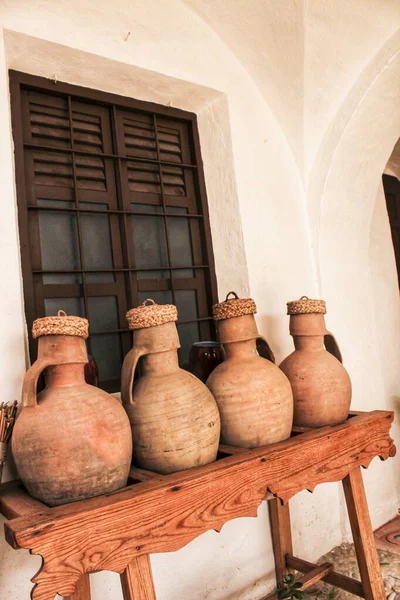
157,513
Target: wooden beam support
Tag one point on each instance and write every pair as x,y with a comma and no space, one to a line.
363,536
310,578
336,579
82,591
137,580
307,580
281,536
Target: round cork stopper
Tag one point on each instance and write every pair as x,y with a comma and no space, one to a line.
234,307
63,324
151,315
305,306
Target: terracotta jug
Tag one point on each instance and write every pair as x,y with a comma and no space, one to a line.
73,440
321,385
253,396
174,418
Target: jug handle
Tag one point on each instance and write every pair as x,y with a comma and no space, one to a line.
332,346
29,387
128,373
264,349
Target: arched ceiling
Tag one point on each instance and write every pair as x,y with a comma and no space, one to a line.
304,57
267,38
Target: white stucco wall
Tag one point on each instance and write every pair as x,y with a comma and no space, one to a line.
292,165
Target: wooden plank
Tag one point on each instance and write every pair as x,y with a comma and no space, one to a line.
82,591
363,536
310,578
9,485
143,474
16,502
230,450
336,579
296,429
307,580
171,512
137,580
281,536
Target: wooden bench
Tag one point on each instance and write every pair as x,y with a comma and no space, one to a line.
162,513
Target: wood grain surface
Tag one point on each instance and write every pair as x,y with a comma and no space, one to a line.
163,515
137,581
364,541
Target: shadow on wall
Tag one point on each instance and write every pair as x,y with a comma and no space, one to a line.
275,329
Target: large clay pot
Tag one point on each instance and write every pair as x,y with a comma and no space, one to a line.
321,385
73,440
253,396
174,418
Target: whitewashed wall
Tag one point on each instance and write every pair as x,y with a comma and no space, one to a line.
298,112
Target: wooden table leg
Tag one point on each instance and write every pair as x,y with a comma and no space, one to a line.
137,580
281,536
364,543
82,591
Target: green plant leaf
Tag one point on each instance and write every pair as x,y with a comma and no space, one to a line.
284,593
331,594
300,595
297,585
289,578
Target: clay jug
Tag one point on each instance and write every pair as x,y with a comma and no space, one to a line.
174,418
73,440
321,385
253,396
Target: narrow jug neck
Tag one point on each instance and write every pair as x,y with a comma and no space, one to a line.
242,350
159,363
311,343
65,375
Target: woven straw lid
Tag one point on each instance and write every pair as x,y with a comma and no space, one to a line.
234,307
305,306
61,325
151,315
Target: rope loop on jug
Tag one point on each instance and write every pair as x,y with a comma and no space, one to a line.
234,294
151,315
148,300
234,307
306,306
62,324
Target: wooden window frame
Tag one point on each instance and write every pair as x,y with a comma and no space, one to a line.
20,81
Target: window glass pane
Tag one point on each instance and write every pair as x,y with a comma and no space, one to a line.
106,351
103,313
59,245
96,242
149,242
188,334
72,306
180,245
186,303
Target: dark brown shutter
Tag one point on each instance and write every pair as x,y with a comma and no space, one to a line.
112,203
